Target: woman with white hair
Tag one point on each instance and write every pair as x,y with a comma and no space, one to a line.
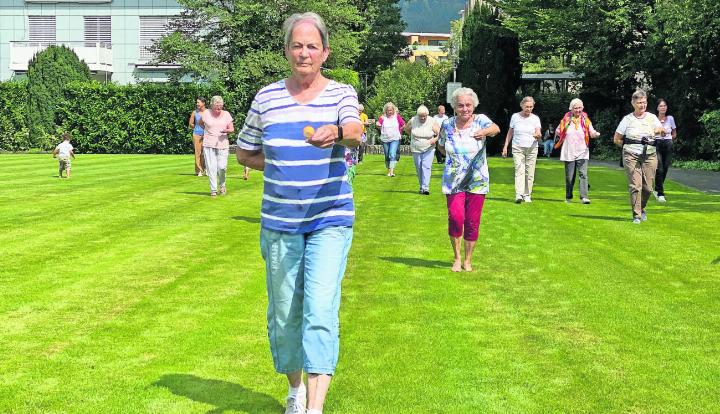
575,131
525,131
391,126
466,178
423,132
636,135
296,132
218,123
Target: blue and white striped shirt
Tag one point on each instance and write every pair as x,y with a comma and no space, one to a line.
306,187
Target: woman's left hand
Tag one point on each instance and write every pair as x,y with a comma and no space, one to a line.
324,137
478,135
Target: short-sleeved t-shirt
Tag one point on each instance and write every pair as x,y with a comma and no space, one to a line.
668,125
305,187
524,129
461,147
64,148
637,128
213,137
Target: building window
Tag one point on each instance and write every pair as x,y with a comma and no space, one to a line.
98,29
152,28
437,42
41,29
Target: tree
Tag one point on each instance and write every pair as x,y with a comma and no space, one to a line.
490,63
383,39
48,73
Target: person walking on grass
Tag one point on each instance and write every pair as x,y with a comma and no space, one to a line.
64,151
664,144
391,125
296,132
363,144
197,134
548,141
636,135
466,178
525,133
440,117
217,123
423,132
575,131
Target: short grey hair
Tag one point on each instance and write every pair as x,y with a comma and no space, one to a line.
639,94
216,99
314,18
422,110
463,92
575,102
526,100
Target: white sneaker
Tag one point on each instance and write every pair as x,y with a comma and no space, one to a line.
585,200
655,194
527,199
518,199
296,404
661,199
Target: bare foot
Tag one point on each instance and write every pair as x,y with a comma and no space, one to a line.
457,266
467,266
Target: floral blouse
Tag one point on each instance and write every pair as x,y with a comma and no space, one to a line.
461,148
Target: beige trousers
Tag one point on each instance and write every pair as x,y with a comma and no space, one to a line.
524,158
199,161
641,177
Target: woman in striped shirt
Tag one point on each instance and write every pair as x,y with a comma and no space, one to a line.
296,131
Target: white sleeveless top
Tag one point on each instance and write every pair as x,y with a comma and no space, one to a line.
421,133
390,130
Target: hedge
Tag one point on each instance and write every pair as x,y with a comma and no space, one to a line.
13,111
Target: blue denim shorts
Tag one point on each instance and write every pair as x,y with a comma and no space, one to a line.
304,273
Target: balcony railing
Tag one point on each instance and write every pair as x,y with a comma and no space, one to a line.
97,55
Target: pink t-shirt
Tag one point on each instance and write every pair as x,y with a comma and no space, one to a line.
213,136
574,147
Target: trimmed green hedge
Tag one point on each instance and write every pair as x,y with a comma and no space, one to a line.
142,118
13,113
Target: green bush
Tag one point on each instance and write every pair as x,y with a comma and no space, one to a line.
347,76
141,118
13,112
408,85
48,73
709,145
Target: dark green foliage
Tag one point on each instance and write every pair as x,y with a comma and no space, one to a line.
490,65
383,41
48,73
254,71
710,145
13,118
142,118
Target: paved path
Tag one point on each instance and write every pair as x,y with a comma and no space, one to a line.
705,181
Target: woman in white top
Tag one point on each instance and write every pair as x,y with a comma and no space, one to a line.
664,144
635,135
525,131
391,125
575,131
423,132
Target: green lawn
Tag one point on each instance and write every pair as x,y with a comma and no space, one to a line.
127,289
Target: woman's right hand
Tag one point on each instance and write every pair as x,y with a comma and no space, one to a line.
504,152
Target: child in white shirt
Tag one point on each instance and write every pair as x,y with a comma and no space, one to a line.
63,152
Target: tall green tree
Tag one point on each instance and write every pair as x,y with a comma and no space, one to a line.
48,73
382,40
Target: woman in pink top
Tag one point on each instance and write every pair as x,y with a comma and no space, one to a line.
217,123
575,131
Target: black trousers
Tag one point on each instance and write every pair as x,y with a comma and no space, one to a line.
664,154
438,156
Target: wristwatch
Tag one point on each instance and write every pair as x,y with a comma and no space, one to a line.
340,134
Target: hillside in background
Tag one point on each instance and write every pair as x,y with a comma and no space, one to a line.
432,16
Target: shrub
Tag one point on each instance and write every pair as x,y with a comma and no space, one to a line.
709,145
48,73
13,110
141,118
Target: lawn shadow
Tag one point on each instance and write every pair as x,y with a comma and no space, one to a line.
197,193
609,218
254,220
417,262
194,175
221,394
716,261
401,191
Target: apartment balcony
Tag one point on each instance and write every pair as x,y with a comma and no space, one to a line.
98,56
